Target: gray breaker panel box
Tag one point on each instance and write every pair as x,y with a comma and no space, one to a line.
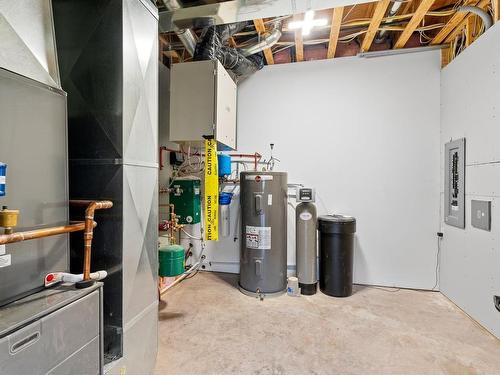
454,183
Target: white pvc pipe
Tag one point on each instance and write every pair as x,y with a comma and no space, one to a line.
180,278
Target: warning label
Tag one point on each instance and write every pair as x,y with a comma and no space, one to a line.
258,237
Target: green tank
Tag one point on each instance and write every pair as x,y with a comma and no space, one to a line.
171,259
185,196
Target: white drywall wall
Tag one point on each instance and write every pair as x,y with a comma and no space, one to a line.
470,258
365,133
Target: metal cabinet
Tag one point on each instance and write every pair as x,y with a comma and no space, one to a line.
202,103
53,332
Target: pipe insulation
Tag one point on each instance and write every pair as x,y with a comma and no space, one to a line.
212,46
485,16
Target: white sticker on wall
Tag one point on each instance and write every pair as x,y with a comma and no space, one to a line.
269,199
258,237
306,216
5,260
2,249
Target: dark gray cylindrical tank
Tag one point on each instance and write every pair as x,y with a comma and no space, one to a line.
336,249
263,254
306,247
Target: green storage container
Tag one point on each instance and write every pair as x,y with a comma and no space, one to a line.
185,196
171,259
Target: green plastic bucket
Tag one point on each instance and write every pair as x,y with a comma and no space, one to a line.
171,259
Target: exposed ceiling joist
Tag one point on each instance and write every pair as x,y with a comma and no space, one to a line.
261,29
334,31
456,19
418,16
299,43
469,31
379,13
496,11
483,4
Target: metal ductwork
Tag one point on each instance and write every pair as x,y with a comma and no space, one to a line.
186,36
266,42
381,36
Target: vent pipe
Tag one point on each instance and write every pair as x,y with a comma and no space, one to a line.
487,21
266,42
186,36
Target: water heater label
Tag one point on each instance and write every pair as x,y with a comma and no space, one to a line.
259,178
5,260
306,216
258,237
2,179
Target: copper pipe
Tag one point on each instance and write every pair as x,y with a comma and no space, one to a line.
256,156
40,233
88,234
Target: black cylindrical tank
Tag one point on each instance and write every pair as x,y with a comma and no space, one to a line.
336,248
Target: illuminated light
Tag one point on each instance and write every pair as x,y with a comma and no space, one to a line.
308,23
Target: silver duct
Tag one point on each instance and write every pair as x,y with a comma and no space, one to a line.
264,43
381,38
186,36
487,21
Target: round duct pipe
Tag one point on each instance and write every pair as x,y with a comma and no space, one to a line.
485,16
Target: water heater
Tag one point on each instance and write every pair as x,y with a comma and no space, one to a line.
263,254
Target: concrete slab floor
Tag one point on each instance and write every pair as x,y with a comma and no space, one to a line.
208,327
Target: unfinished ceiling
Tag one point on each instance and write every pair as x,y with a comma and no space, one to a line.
349,30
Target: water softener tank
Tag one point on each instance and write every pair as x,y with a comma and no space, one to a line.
306,248
263,252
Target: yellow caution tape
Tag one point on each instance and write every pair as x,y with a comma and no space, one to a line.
211,191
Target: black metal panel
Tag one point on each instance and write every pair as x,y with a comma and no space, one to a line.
89,41
90,52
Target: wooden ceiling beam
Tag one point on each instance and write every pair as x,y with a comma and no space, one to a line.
261,29
418,16
299,42
378,14
334,31
496,11
453,22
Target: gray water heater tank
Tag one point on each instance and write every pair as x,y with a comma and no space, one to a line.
263,253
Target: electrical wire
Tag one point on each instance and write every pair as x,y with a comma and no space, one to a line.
191,236
438,257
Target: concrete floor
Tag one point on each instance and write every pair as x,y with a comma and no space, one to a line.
208,327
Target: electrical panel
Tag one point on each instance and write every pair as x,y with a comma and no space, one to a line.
454,183
202,104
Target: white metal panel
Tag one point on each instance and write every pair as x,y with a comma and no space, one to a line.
27,35
225,108
469,100
350,128
192,103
